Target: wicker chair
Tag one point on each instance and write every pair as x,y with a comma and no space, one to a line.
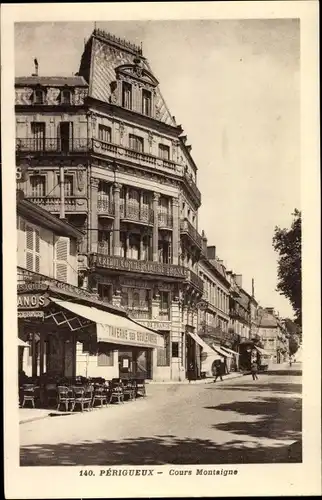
82,397
64,397
28,394
100,395
116,391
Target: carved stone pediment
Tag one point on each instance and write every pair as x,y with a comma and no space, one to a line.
137,72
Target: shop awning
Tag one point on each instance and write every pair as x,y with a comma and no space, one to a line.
204,346
221,351
262,351
21,343
230,351
113,328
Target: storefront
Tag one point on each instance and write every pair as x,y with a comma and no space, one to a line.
71,334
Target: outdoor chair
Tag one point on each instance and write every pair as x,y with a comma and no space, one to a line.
28,394
82,397
51,393
99,395
116,391
140,387
64,397
129,389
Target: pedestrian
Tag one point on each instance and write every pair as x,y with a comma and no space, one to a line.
253,370
290,362
218,371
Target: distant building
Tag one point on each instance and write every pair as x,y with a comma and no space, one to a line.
273,335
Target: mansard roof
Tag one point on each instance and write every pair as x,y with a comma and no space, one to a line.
50,81
105,54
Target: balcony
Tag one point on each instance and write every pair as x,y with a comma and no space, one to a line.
133,213
192,187
165,220
195,280
73,204
187,229
143,159
104,205
137,266
139,313
53,145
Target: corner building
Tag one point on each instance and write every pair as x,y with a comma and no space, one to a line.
104,145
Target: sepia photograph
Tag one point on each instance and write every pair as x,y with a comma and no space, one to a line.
159,257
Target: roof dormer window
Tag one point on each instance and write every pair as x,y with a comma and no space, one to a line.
146,102
39,96
65,97
127,95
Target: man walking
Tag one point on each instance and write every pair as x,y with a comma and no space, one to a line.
253,370
218,371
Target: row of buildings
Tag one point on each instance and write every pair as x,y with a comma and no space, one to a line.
115,229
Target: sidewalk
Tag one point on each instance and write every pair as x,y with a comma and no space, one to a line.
207,380
31,414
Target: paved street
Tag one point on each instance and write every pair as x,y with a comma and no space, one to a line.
234,421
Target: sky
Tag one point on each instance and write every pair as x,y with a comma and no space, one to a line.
234,86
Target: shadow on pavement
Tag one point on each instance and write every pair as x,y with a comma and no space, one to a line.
157,451
286,388
277,418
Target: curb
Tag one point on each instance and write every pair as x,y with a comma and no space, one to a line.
207,380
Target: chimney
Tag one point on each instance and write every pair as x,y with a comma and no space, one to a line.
239,280
211,252
36,67
253,288
204,243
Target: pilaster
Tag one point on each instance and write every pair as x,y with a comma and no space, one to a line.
116,224
155,236
93,214
175,231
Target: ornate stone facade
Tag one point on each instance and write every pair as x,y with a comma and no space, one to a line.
125,188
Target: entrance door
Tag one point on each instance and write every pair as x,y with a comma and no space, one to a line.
143,364
66,136
126,364
191,358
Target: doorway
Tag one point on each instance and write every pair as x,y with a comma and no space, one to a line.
66,136
135,363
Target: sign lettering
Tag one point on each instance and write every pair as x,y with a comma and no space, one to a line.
31,301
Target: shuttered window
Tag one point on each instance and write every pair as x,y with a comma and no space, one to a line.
163,353
38,185
61,259
104,133
164,152
32,249
104,356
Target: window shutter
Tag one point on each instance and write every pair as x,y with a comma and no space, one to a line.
61,259
29,238
30,261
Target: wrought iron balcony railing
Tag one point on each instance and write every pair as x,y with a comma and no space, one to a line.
195,280
186,228
137,266
52,145
192,186
52,203
105,205
165,220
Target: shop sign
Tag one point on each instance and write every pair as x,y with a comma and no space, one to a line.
106,333
30,314
155,325
31,301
